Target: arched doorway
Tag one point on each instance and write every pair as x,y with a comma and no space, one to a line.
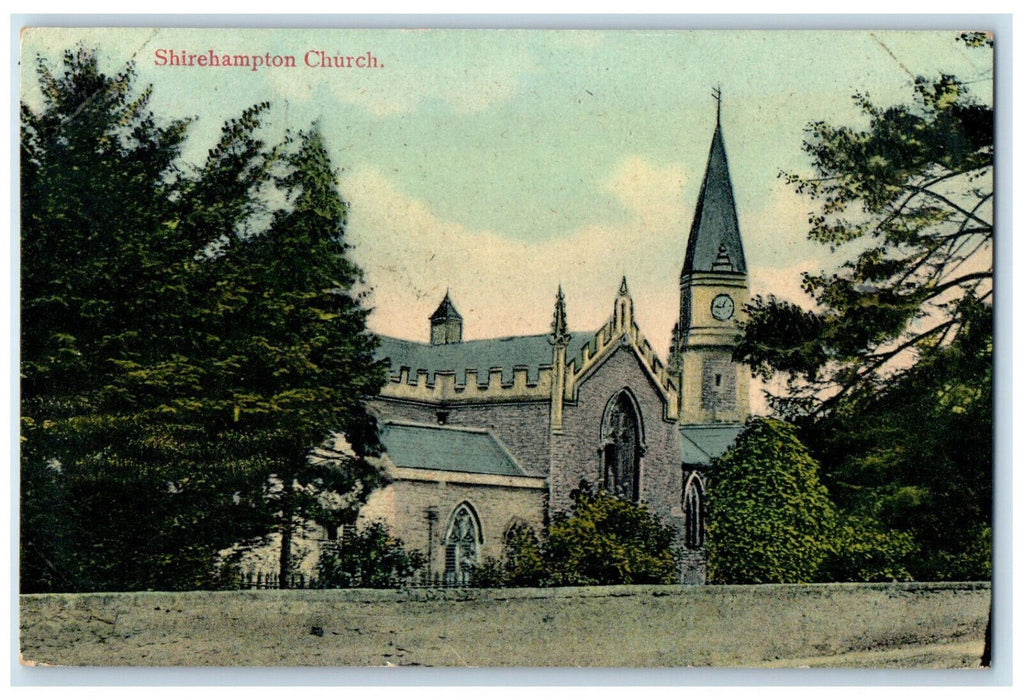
621,435
461,545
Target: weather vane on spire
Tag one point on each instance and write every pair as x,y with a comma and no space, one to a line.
716,92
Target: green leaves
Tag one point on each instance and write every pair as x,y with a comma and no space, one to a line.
183,325
769,519
370,558
910,197
603,540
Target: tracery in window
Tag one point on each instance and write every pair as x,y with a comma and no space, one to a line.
461,546
622,447
692,507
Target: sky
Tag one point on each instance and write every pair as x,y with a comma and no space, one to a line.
499,164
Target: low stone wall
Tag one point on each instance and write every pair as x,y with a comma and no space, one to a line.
660,626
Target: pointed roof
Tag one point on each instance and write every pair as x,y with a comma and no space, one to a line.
446,310
559,327
714,241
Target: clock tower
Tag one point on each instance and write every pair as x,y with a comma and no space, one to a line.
714,288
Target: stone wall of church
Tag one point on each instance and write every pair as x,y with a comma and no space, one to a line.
575,452
521,426
419,512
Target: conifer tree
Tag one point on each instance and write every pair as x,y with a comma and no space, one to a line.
185,344
300,365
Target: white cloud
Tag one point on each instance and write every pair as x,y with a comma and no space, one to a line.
652,193
503,286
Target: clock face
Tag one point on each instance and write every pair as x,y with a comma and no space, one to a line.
722,307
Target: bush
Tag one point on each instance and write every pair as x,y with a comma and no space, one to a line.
489,573
370,558
524,563
607,540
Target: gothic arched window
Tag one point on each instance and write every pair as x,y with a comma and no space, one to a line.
461,546
692,507
621,447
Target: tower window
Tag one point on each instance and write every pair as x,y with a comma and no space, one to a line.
718,385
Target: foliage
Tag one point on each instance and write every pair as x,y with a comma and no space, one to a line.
890,378
769,519
524,563
910,198
864,551
607,540
370,557
177,365
107,286
602,540
489,573
916,456
298,364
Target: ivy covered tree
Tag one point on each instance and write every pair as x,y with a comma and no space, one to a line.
185,337
769,519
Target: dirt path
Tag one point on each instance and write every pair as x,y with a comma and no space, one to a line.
908,625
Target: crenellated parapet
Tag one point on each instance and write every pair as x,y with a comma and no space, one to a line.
491,386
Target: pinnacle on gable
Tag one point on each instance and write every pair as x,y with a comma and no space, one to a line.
623,290
559,327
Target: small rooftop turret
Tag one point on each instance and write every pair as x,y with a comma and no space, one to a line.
445,323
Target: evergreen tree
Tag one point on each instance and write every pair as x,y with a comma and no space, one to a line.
299,361
183,340
101,276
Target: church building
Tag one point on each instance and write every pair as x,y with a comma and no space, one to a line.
484,435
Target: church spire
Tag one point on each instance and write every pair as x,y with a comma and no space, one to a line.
714,240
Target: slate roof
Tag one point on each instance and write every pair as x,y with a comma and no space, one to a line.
532,351
703,443
715,228
446,310
446,448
